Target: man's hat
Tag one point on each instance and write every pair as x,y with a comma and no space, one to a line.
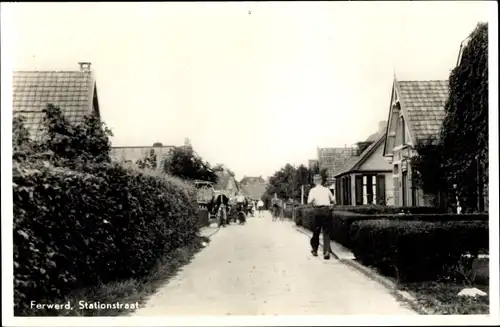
317,177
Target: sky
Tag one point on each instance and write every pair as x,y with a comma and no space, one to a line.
252,85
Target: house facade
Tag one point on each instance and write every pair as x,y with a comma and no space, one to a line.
365,178
416,113
130,154
74,92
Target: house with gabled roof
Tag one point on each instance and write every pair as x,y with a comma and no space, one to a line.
332,159
74,92
226,184
253,187
365,178
416,112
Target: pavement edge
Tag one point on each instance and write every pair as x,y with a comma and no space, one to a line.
373,275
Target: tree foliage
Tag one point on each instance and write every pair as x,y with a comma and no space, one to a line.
185,163
64,143
462,151
287,182
150,161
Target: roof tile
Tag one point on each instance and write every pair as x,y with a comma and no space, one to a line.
424,102
34,90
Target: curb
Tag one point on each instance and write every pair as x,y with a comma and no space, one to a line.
402,296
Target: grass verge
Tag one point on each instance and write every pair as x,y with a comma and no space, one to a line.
132,291
441,298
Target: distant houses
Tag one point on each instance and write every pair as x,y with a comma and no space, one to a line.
416,113
74,92
226,184
253,187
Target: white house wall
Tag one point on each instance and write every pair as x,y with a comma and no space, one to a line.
376,160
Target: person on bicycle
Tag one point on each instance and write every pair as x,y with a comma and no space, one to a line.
240,201
220,202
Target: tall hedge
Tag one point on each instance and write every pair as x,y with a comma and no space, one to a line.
80,220
465,128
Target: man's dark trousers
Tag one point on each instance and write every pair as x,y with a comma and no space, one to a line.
322,221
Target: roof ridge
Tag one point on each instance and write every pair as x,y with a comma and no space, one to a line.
50,71
423,80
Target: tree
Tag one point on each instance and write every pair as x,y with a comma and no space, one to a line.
427,168
65,143
187,164
149,161
157,144
286,183
464,133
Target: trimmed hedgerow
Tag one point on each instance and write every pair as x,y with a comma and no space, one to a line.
75,229
374,209
342,220
417,250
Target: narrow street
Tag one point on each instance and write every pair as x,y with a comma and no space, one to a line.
265,268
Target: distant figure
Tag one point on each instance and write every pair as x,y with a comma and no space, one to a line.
220,203
260,207
321,198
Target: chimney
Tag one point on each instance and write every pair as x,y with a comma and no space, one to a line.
85,66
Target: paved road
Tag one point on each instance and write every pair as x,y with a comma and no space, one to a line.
265,268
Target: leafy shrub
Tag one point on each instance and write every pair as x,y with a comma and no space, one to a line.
417,250
74,229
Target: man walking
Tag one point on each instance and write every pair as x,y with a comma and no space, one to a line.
321,198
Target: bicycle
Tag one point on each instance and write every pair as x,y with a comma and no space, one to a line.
222,216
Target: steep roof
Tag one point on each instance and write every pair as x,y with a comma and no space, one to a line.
225,181
423,104
254,191
355,162
333,158
72,91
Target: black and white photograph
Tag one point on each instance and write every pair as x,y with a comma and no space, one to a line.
250,163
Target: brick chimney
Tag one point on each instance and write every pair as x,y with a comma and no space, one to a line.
85,66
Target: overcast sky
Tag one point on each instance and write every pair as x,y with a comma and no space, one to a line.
252,91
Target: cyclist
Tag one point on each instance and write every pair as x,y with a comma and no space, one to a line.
240,206
220,202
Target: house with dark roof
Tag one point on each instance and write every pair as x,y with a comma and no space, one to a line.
74,92
365,178
416,113
226,184
253,187
332,159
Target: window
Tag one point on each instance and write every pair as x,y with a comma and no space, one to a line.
404,187
381,190
403,131
414,191
338,190
358,182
